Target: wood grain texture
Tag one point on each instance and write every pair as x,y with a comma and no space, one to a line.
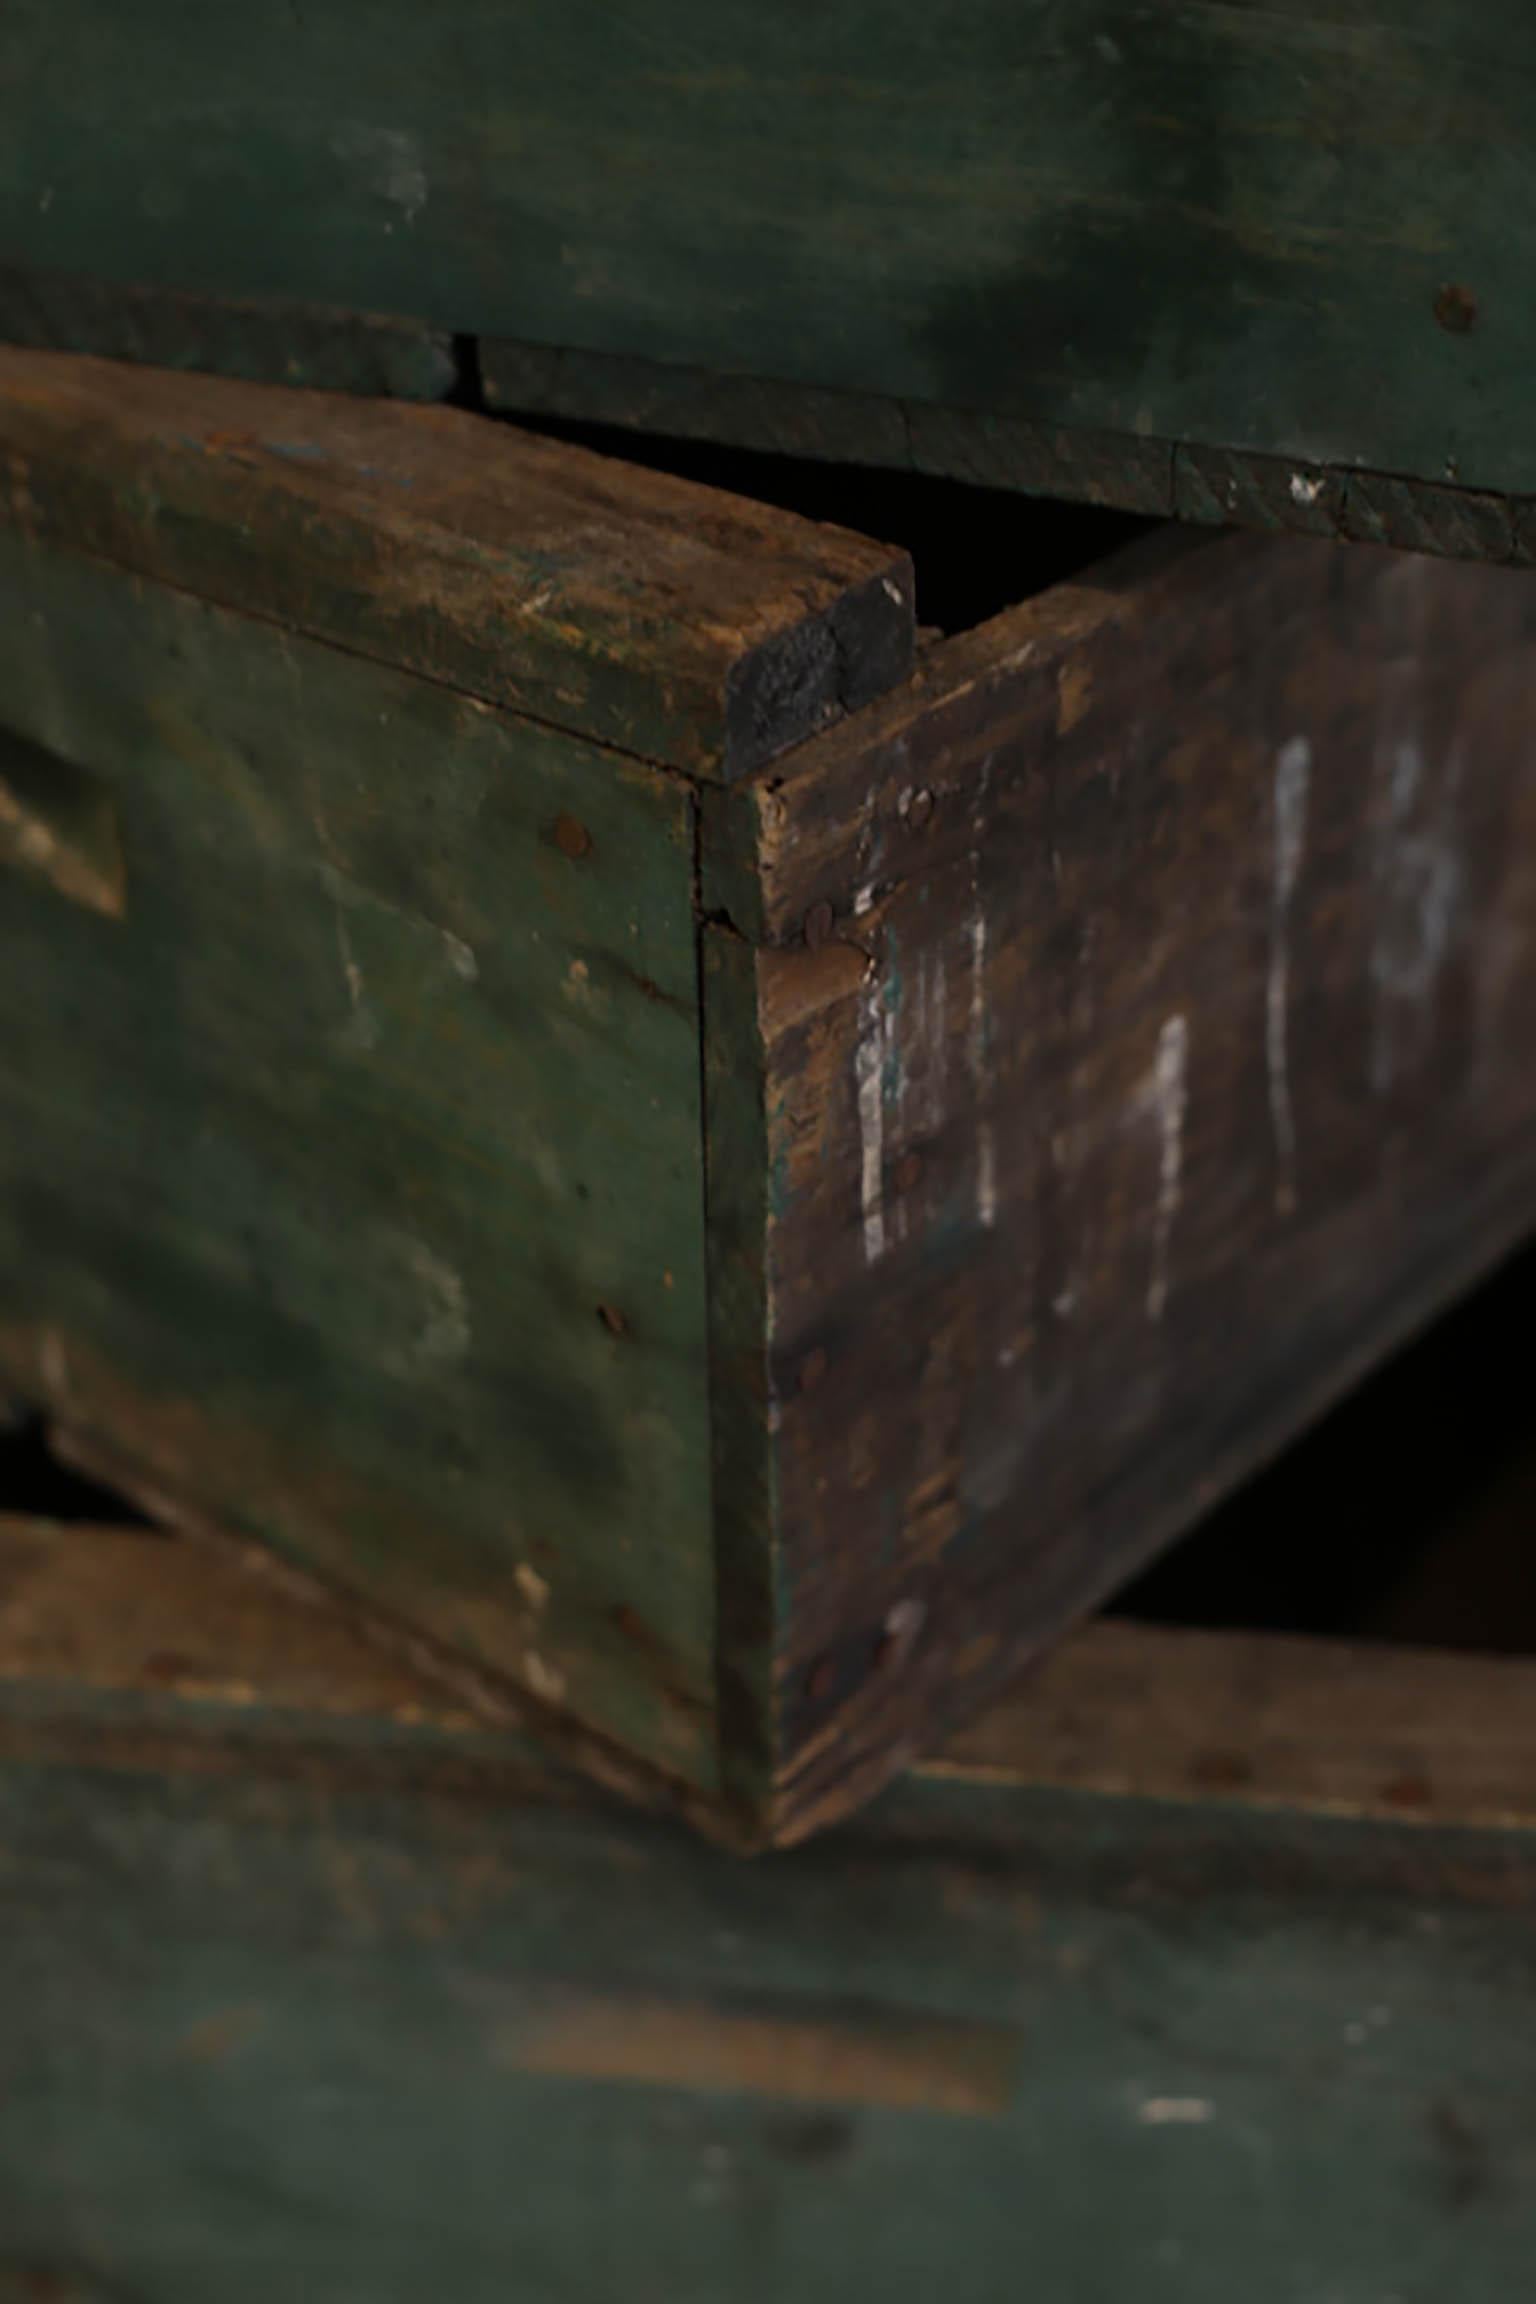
351,1179
680,624
1281,231
1132,2038
1143,1000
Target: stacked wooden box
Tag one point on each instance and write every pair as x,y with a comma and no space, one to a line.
714,1164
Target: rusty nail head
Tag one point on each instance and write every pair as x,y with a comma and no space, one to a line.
819,1679
813,1368
820,922
1456,308
920,810
909,1171
613,1319
572,837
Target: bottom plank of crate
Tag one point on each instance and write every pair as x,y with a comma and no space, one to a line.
1202,1969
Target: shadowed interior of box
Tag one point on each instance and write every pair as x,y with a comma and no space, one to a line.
976,551
1408,1516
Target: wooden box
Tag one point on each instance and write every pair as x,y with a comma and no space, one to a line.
714,1176
1200,1969
1247,263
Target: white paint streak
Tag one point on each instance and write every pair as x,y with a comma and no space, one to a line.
1176,2112
986,1138
1418,880
461,957
1170,1099
1293,775
1306,490
361,1030
443,1332
869,1070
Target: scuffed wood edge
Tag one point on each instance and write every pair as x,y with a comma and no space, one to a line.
452,1691
1161,479
744,1508
684,626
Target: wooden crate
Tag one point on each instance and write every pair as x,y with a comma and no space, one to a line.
1201,1970
1234,263
719,1180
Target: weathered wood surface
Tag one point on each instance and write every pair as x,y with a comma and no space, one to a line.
1141,1006
351,1161
1058,244
312,1987
686,626
266,343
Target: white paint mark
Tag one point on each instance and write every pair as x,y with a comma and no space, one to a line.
868,1072
1306,490
1293,773
443,1332
1176,2112
461,958
986,1138
1170,1098
361,1029
1418,877
533,1587
863,901
393,161
545,1679
892,590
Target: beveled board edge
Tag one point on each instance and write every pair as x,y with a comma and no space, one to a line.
687,627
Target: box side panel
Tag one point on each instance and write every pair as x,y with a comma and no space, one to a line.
350,1176
1162,1059
296,2004
1267,230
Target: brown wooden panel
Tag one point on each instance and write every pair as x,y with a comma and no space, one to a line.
1145,1002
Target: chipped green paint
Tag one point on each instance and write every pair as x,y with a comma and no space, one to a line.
293,2007
351,1179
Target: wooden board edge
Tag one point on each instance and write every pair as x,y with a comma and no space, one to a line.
737,1193
260,340
1227,486
686,627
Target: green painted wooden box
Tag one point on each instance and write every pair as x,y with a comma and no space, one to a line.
719,1175
1201,1970
1253,262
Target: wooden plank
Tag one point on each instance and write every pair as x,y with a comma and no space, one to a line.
1142,1002
1131,2038
351,1187
682,625
1273,232
267,343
